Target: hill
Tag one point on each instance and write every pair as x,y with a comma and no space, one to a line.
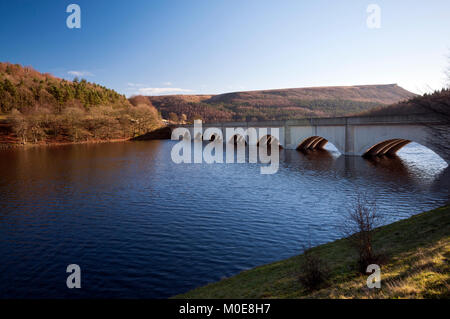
383,94
417,251
280,104
437,102
41,108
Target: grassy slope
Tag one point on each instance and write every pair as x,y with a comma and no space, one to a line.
418,251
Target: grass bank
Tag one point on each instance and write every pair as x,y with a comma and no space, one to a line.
417,253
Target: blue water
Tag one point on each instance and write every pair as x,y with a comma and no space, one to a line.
140,226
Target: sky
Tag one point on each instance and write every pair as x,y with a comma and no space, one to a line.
212,46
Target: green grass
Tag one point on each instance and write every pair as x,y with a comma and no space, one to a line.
417,252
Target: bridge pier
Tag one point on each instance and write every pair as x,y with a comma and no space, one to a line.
349,145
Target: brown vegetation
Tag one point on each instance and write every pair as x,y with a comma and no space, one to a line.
314,272
381,94
40,108
280,104
190,107
436,102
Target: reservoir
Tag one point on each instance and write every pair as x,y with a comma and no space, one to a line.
141,226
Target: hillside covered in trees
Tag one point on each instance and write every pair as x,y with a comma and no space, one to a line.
280,104
39,108
437,102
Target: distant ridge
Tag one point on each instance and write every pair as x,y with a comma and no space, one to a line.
380,93
280,104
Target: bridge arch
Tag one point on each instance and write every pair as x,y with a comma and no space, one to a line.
213,134
387,147
269,140
379,141
237,138
317,143
214,137
390,147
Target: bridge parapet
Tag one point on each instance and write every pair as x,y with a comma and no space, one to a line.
365,120
344,120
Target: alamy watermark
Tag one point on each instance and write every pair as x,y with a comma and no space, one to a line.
74,279
73,21
374,280
374,18
262,145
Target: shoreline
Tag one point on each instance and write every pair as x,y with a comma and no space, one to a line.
415,248
156,134
5,146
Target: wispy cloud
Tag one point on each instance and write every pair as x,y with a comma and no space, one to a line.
161,91
134,85
80,73
167,83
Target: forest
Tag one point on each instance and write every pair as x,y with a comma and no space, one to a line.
41,108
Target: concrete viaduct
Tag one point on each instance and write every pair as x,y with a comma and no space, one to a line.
356,136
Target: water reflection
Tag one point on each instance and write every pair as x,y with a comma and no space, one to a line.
414,164
141,226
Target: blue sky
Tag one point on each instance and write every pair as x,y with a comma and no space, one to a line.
209,46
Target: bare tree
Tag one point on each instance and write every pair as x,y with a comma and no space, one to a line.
438,104
447,71
20,125
359,228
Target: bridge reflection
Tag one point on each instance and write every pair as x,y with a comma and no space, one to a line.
416,165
